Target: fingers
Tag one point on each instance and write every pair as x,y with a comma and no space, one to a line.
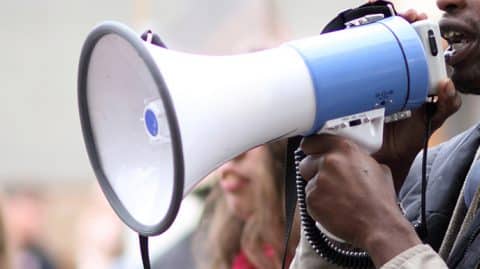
412,15
309,166
449,101
324,143
310,189
319,147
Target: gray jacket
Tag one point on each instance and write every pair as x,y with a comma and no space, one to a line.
447,168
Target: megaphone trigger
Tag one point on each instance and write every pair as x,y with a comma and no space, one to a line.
365,129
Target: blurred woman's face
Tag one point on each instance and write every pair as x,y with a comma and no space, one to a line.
239,179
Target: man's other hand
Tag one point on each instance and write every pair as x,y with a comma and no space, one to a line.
353,197
403,140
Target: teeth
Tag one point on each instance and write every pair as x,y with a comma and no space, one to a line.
455,37
453,34
453,48
457,46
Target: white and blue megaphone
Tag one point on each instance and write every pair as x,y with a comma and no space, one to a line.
157,121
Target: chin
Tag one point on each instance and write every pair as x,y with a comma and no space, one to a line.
237,207
467,79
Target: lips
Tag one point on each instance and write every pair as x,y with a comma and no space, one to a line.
233,184
461,39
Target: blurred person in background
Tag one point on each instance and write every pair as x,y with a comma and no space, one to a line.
24,220
98,235
244,219
4,261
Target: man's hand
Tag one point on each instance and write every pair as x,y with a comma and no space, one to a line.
402,140
353,197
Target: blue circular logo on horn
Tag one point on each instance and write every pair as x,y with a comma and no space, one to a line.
151,122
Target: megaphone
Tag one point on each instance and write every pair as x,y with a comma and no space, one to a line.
157,121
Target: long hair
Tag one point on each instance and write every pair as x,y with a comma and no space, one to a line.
4,255
222,235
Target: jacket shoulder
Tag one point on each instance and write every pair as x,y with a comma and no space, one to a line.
447,167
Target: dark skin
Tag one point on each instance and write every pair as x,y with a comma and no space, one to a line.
347,186
464,15
353,197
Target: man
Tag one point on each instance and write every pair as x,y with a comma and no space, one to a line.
353,194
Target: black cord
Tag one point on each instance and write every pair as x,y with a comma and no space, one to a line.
144,251
430,108
290,192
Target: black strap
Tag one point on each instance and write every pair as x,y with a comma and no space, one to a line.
378,7
144,251
290,191
430,109
155,38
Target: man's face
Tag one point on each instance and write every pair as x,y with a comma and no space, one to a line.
461,28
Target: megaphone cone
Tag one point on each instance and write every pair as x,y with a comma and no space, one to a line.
151,114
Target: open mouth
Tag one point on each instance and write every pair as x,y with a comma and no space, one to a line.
461,41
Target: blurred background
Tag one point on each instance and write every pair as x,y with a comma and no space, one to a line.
54,214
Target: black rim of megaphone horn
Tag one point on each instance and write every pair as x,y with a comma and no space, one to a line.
136,42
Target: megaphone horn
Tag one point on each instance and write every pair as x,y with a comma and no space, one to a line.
99,127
